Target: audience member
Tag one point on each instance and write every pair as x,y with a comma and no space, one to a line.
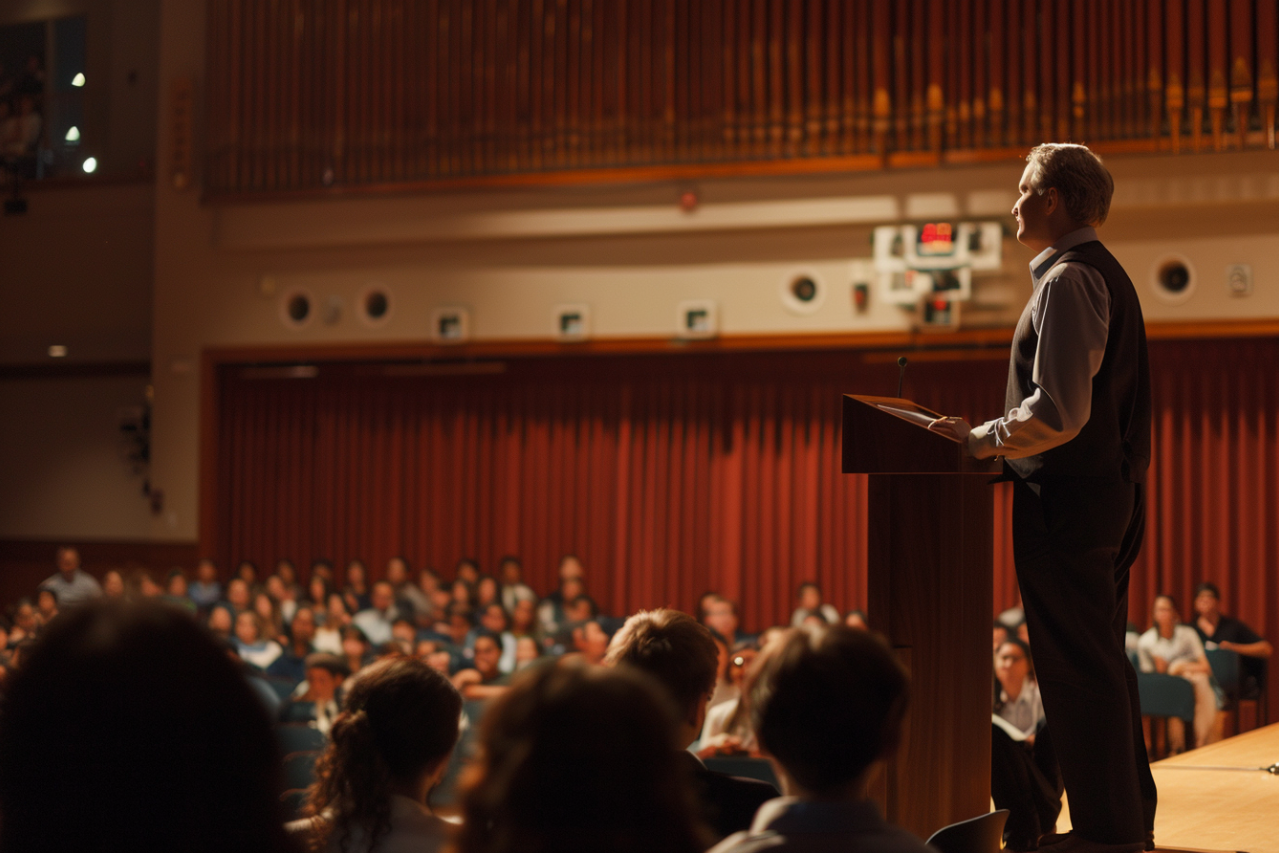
524,621
827,705
357,587
680,654
319,700
721,617
318,590
1172,648
247,571
409,599
1001,634
388,749
190,762
292,663
142,585
238,594
725,690
323,568
404,634
1024,776
206,590
250,643
514,590
727,730
810,604
467,569
484,679
376,621
578,759
487,591
356,648
176,591
221,622
283,600
113,584
856,619
1218,630
268,610
590,640
71,584
46,605
328,637
494,620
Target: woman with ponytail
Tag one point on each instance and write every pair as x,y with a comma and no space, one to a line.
388,749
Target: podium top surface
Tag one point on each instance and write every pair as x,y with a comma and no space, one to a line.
890,435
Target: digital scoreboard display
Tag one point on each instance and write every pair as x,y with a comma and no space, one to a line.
935,239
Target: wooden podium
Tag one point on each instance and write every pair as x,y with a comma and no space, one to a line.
930,593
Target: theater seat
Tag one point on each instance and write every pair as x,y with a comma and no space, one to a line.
296,737
982,834
1163,697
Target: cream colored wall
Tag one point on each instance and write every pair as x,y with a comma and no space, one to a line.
63,460
511,256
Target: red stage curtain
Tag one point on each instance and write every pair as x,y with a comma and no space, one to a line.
674,474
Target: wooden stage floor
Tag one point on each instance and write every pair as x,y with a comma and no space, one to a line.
1218,810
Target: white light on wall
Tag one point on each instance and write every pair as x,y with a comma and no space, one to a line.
78,80
91,164
73,135
57,351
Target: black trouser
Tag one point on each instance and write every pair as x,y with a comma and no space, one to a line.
1074,540
1025,780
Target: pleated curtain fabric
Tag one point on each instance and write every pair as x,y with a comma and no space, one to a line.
671,475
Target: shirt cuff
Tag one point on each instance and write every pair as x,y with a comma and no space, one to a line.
982,441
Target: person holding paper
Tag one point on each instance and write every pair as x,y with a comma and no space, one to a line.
1076,443
1024,777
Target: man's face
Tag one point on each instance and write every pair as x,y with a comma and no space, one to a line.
323,683
303,627
487,655
404,631
720,617
246,628
396,572
68,561
1031,212
382,596
493,619
1206,604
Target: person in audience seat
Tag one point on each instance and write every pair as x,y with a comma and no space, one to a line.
682,656
1175,649
319,698
356,648
221,623
721,617
252,647
72,584
514,590
238,595
484,679
206,589
376,621
809,603
129,729
827,705
113,584
46,605
1218,630
291,664
328,636
356,591
388,748
580,759
1024,776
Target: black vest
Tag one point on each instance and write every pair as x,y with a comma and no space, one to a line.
1116,439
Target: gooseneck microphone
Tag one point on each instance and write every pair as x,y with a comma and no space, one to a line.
901,374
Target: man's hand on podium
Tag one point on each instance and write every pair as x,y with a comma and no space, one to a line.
956,428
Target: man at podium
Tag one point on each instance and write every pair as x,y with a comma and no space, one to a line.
1076,444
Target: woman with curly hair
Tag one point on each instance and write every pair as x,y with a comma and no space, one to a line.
388,749
580,758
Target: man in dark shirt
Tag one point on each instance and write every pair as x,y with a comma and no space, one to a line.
680,654
291,664
1230,634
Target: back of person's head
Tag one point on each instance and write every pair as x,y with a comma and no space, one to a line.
673,648
579,758
128,728
826,702
1082,182
401,721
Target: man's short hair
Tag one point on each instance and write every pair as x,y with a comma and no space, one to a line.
826,702
1208,586
673,648
1082,182
334,665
